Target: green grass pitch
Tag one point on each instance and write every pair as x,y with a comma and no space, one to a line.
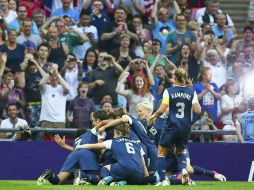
204,185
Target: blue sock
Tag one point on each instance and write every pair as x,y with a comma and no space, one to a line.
54,179
202,171
181,158
104,172
174,180
161,167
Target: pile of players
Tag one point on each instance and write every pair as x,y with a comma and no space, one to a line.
121,149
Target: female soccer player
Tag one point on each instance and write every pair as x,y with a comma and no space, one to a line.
180,100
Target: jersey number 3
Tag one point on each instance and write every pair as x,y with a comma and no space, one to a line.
180,110
129,147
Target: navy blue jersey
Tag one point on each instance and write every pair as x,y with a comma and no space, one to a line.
90,137
154,132
180,100
126,152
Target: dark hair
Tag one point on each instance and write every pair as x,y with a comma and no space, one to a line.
100,114
84,12
44,45
123,128
3,32
156,40
201,72
71,54
95,65
120,8
12,104
81,84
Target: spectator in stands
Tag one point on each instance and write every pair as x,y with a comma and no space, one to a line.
6,13
123,54
156,57
81,108
208,93
134,7
216,61
66,10
204,122
139,91
189,62
22,16
13,121
221,30
31,6
171,5
247,39
99,17
229,103
3,59
112,32
58,49
11,94
12,5
90,32
101,6
162,26
39,17
53,99
178,38
208,13
15,51
104,78
2,37
27,38
42,57
90,62
28,79
244,124
248,61
72,73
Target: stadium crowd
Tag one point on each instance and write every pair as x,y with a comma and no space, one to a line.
62,60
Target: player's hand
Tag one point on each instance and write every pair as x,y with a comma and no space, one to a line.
60,141
151,120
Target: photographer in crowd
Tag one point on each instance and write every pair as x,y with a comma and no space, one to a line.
14,122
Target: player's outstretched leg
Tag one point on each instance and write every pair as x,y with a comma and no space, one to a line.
79,179
106,180
219,176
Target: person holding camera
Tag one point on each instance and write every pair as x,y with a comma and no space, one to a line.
54,97
14,122
104,78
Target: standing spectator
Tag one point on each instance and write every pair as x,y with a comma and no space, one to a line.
29,78
208,93
39,17
57,49
81,108
104,78
189,62
229,103
31,6
72,73
123,54
66,10
22,16
112,32
102,5
139,91
180,37
98,19
248,39
217,62
8,14
53,99
90,31
10,94
208,13
134,7
221,30
15,51
42,57
162,26
27,38
13,121
12,5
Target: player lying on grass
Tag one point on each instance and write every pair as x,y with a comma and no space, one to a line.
83,159
130,163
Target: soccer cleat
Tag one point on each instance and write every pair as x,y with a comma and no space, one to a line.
78,180
106,180
165,182
191,182
219,177
185,177
44,177
119,183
